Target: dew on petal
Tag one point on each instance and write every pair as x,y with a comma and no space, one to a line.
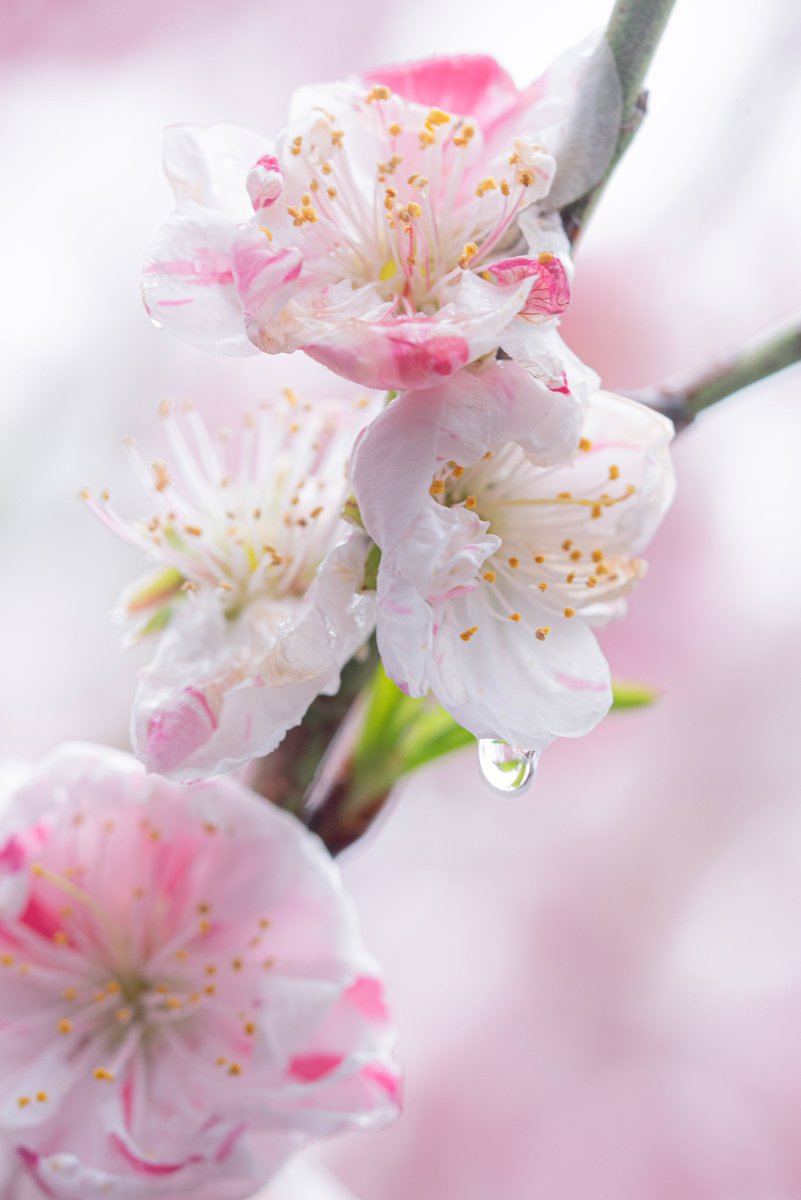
506,769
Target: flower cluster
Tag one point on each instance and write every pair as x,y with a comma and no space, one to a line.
402,230
185,997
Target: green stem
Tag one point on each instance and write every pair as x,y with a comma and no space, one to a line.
633,34
682,405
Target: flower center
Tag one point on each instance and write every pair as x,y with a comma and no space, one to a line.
428,211
549,536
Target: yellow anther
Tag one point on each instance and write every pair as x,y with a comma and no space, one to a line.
7,960
237,964
194,530
103,1075
174,1003
566,544
539,558
614,471
596,511
182,955
470,502
592,581
546,257
331,193
296,145
210,989
379,92
570,612
490,184
69,993
23,1101
585,444
570,576
235,1069
466,634
525,178
426,138
490,576
305,199
123,1015
597,556
543,586
504,187
470,250
395,130
42,1097
267,964
564,495
414,208
543,632
437,487
64,1026
456,471
575,555
265,923
515,616
249,1028
204,907
161,475
514,562
337,136
437,117
204,926
221,1061
60,937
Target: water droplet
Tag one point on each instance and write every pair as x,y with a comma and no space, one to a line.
507,769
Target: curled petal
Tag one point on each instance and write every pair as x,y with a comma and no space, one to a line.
550,289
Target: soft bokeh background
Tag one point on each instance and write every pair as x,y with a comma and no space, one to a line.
599,985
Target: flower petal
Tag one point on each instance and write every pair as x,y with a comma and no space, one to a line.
188,280
397,456
220,692
467,84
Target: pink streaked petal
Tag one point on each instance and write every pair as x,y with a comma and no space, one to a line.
188,281
550,290
396,355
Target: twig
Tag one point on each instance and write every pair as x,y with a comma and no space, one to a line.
633,34
683,404
285,776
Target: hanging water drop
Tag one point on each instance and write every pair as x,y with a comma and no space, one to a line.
507,769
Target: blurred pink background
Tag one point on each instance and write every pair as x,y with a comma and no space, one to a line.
599,984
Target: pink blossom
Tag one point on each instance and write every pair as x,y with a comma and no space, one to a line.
185,996
503,543
256,601
398,232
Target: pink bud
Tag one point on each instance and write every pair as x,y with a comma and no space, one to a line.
265,182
